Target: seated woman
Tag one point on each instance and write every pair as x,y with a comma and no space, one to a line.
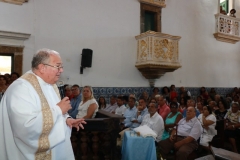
165,93
173,94
102,102
183,105
88,106
232,125
204,93
200,106
155,92
172,119
208,121
221,112
199,99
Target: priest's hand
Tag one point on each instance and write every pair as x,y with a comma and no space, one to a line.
75,123
64,105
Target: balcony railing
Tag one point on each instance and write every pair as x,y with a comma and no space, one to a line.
227,28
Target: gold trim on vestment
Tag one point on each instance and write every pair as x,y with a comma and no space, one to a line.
57,90
43,152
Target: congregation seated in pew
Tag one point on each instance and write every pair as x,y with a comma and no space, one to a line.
154,121
208,122
121,107
133,116
88,107
232,125
68,91
163,108
112,106
75,100
142,110
221,112
129,113
102,103
183,138
172,119
190,103
137,118
200,107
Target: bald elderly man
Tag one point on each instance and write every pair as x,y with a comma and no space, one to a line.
188,132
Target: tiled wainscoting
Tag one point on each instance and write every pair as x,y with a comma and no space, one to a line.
108,91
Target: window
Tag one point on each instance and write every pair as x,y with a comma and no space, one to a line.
6,63
224,4
227,5
150,18
149,21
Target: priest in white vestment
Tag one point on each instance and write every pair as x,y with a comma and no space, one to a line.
34,123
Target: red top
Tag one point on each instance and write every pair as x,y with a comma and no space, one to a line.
173,94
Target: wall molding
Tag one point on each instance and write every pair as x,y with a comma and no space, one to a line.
15,39
13,43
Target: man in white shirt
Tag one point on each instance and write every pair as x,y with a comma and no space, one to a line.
34,123
184,139
154,121
121,107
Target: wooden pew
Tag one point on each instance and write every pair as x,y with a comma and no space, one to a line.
98,139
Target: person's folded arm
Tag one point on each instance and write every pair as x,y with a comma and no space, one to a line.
206,122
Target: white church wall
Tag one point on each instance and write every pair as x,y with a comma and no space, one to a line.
237,7
109,27
205,61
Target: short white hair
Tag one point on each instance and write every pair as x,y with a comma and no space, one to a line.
42,56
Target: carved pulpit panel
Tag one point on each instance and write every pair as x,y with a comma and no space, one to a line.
157,53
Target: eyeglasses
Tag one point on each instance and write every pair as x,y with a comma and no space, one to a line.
58,67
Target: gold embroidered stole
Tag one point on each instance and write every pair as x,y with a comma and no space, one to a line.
43,142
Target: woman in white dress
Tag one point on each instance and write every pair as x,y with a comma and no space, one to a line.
88,107
208,121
